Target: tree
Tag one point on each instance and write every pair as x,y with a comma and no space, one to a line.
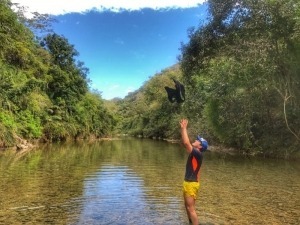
68,79
44,90
238,62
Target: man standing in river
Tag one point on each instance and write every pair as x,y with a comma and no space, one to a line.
191,182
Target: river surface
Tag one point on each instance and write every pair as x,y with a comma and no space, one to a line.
138,181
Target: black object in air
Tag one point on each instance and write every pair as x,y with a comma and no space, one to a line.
177,94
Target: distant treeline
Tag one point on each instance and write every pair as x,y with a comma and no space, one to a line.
240,69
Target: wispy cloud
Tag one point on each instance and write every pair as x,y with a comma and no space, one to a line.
80,6
130,89
113,87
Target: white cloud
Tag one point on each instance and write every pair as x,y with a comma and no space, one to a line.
130,89
113,87
67,6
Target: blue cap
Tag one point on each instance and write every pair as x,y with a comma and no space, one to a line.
204,143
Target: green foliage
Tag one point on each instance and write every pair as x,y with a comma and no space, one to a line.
93,117
148,112
38,103
6,137
241,73
242,65
61,51
68,79
7,120
7,128
44,90
30,126
56,130
240,69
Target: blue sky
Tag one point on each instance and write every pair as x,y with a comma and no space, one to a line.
123,43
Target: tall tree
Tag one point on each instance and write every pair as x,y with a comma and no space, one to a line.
68,79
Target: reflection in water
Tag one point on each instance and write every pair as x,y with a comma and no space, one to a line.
115,195
136,181
111,195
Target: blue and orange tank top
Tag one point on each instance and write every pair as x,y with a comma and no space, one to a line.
193,165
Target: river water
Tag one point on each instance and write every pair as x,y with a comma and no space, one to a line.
138,181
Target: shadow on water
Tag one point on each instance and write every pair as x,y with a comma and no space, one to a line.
138,181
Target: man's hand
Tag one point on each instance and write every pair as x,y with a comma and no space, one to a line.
184,123
184,135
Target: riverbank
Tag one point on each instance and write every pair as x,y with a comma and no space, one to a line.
24,145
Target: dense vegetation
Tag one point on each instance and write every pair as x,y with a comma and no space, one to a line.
240,68
44,90
242,74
